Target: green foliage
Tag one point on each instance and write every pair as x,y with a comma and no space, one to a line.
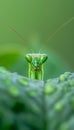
27,104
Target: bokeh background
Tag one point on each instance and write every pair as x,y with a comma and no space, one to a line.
37,26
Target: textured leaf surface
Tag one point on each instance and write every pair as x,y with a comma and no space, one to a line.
27,104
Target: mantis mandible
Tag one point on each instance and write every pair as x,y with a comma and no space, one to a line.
36,60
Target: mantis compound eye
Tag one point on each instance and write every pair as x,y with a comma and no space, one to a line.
43,58
28,58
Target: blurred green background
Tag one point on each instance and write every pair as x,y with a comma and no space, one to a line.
47,26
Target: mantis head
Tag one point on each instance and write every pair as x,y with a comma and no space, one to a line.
36,60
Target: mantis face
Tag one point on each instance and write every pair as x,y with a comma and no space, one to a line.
36,60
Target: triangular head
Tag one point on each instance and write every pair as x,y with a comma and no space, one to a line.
36,61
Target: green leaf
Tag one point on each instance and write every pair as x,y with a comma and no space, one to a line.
27,104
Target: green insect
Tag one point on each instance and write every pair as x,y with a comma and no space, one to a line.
36,65
36,60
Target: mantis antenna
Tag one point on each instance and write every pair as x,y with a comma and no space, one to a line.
59,28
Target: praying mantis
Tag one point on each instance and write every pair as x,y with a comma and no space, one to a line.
36,60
